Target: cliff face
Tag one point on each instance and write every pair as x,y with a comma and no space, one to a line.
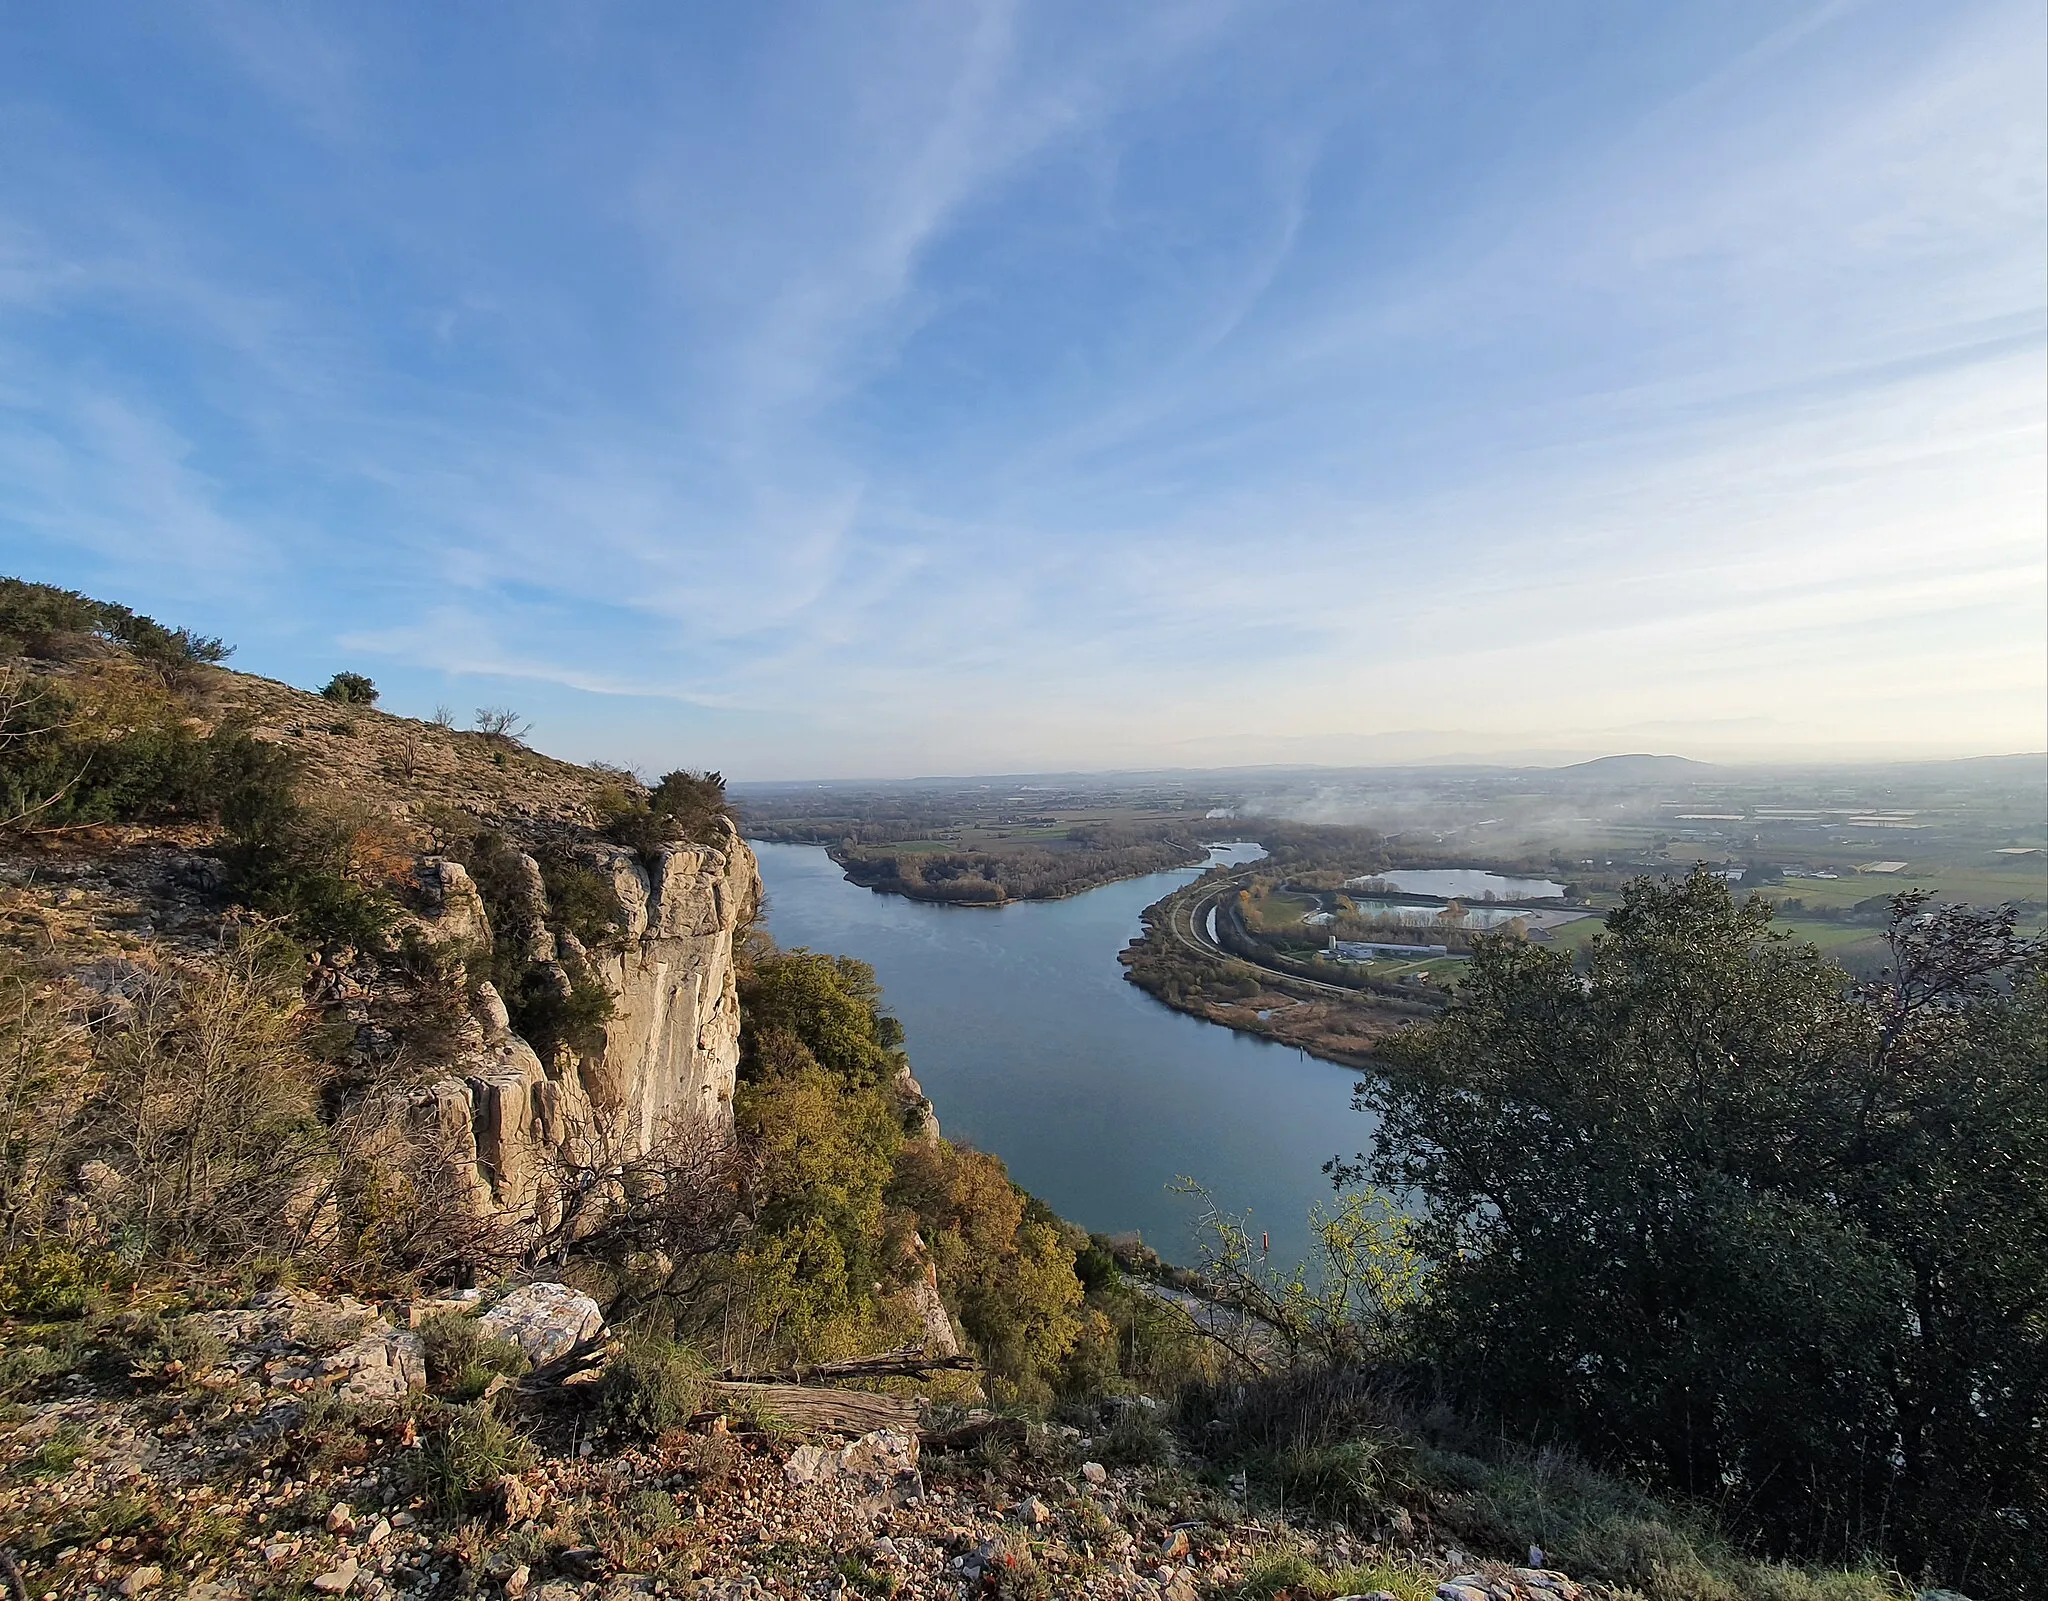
664,1070
673,1043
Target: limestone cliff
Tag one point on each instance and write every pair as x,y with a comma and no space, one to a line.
665,1063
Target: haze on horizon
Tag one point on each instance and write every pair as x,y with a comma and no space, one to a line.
812,391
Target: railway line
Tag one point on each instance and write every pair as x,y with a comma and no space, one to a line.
1188,923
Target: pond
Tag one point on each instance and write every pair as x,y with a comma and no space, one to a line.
1031,1045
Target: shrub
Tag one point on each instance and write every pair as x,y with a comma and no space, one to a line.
323,867
462,1359
583,901
350,689
31,613
650,1386
683,805
47,1278
501,723
190,1346
24,1367
468,1453
1281,1572
1137,1438
108,746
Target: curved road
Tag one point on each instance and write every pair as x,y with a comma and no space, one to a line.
1189,925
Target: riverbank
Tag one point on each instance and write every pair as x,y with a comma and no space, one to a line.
931,873
1178,963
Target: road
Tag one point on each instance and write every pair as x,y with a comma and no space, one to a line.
1188,922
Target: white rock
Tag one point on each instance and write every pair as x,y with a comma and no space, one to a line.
382,1364
545,1320
881,1466
337,1580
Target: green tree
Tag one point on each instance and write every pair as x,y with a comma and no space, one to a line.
830,1004
350,689
1762,1235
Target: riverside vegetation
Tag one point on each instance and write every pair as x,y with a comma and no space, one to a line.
1731,1280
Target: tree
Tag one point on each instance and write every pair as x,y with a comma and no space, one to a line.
831,1005
350,689
501,723
1758,1233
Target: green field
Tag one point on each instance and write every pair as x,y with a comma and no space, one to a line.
1283,909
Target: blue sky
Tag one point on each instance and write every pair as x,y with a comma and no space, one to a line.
869,389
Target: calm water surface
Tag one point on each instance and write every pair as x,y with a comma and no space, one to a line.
1031,1045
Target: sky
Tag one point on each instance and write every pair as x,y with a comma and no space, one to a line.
874,390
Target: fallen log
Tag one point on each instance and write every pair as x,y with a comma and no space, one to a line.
570,1368
910,1362
811,1409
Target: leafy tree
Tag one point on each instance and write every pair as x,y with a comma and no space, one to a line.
830,1005
1757,1233
350,689
1006,1275
32,615
683,805
820,1153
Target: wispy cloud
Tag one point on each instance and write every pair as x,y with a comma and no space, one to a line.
933,386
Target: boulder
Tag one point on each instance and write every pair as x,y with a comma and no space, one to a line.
881,1468
546,1321
381,1364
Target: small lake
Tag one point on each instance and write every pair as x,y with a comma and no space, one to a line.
1031,1045
1464,883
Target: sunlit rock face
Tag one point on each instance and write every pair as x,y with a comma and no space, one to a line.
672,1045
668,1057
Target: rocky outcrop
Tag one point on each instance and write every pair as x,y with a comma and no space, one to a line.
667,1058
672,1047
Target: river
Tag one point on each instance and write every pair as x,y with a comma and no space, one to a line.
1031,1045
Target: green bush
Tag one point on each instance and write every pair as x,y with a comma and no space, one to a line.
462,1359
1137,1438
471,1450
350,689
650,1386
48,1278
582,900
31,613
289,859
191,1345
1806,1211
682,806
24,1367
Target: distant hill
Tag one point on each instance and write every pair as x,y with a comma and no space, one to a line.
1638,769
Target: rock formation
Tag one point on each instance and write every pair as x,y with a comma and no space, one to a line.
666,1061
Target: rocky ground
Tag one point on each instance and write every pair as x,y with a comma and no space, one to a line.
284,1446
